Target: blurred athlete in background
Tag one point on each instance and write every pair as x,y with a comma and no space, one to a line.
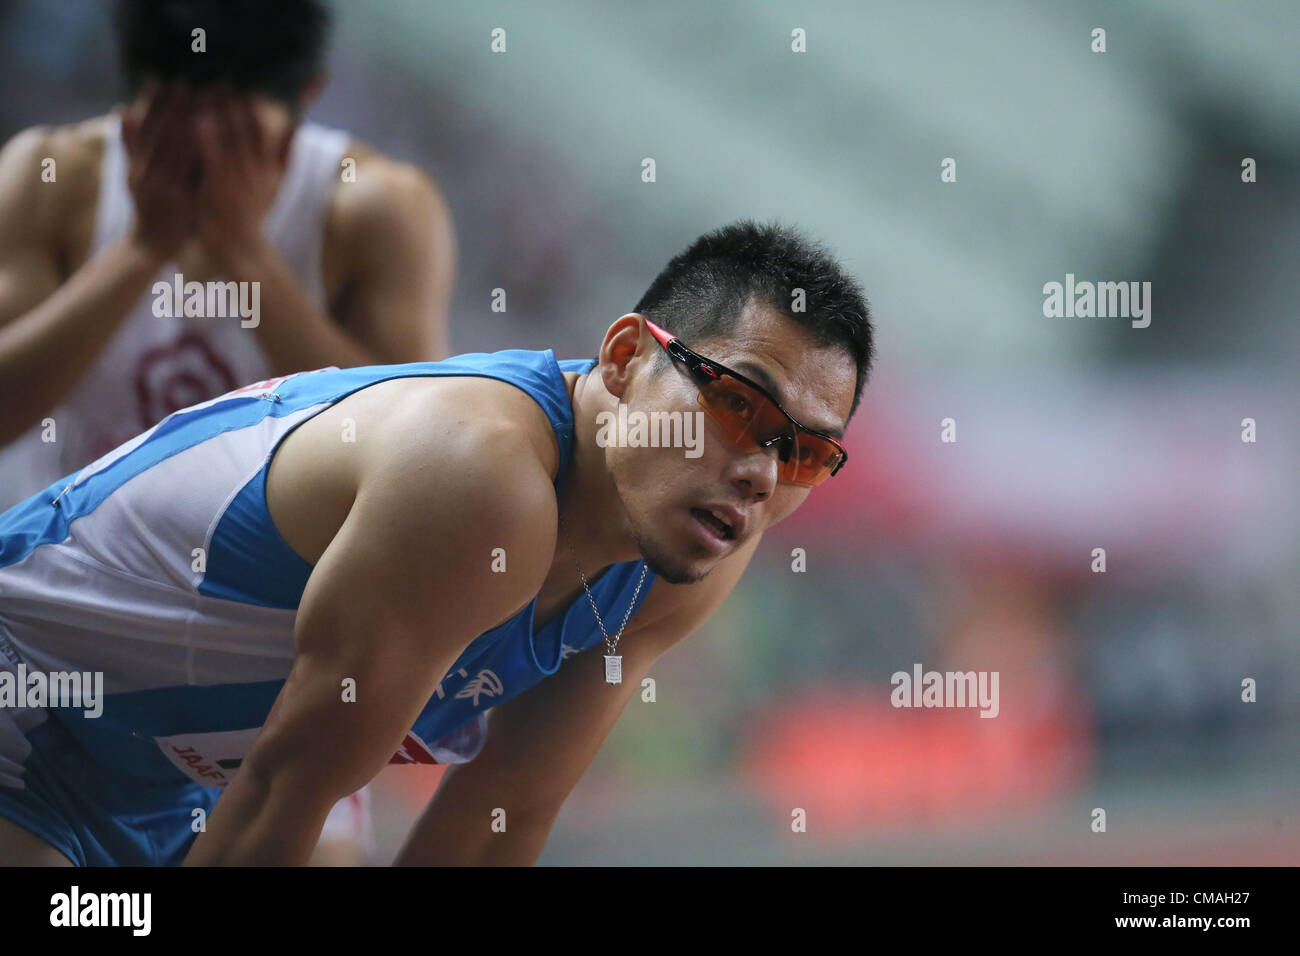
207,174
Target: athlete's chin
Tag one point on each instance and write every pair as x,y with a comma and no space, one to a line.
678,574
675,565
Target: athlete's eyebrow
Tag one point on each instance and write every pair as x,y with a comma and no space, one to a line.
759,375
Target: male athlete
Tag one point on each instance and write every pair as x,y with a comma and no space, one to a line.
207,178
288,587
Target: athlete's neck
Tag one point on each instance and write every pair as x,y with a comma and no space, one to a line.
589,502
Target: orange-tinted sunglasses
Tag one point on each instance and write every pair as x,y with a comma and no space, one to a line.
751,419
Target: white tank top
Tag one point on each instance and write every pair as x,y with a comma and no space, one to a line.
153,366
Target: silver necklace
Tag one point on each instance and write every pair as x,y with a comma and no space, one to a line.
613,662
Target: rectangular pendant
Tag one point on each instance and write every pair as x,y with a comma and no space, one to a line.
613,669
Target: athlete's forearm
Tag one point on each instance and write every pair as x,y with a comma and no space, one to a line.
472,821
257,823
44,352
296,335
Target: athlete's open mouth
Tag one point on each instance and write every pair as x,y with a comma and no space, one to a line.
707,518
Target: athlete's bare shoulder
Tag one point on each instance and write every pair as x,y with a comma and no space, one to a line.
460,420
429,440
389,256
49,179
377,193
380,178
75,148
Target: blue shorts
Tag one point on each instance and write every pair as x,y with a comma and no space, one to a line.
93,816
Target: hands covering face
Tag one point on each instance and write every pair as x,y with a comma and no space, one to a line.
201,165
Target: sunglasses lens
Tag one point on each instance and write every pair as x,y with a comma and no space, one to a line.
749,419
744,414
811,460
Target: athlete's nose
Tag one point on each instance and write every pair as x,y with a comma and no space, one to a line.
755,474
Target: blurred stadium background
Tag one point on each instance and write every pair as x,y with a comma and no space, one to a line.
1119,690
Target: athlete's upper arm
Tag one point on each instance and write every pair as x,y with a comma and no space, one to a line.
540,743
401,253
386,605
29,270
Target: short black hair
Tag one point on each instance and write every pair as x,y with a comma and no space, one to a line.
272,47
701,293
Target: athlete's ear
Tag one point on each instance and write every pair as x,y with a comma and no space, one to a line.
624,351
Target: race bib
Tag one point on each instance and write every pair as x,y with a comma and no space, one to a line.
209,759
